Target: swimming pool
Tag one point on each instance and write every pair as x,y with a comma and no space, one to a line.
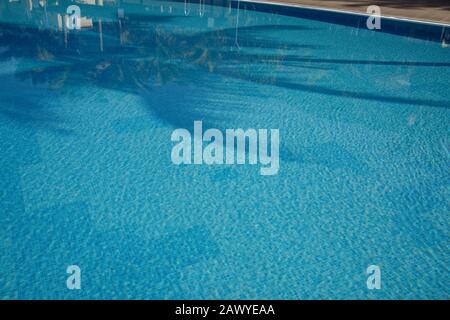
87,179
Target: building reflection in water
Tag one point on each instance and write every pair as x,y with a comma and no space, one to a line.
132,41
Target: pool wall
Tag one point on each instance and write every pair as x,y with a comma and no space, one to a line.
435,32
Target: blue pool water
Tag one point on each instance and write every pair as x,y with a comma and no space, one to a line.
86,176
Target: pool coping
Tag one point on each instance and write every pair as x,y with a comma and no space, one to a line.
411,28
341,11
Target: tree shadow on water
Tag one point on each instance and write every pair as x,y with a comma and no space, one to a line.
148,58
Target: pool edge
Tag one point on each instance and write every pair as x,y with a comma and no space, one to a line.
341,11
